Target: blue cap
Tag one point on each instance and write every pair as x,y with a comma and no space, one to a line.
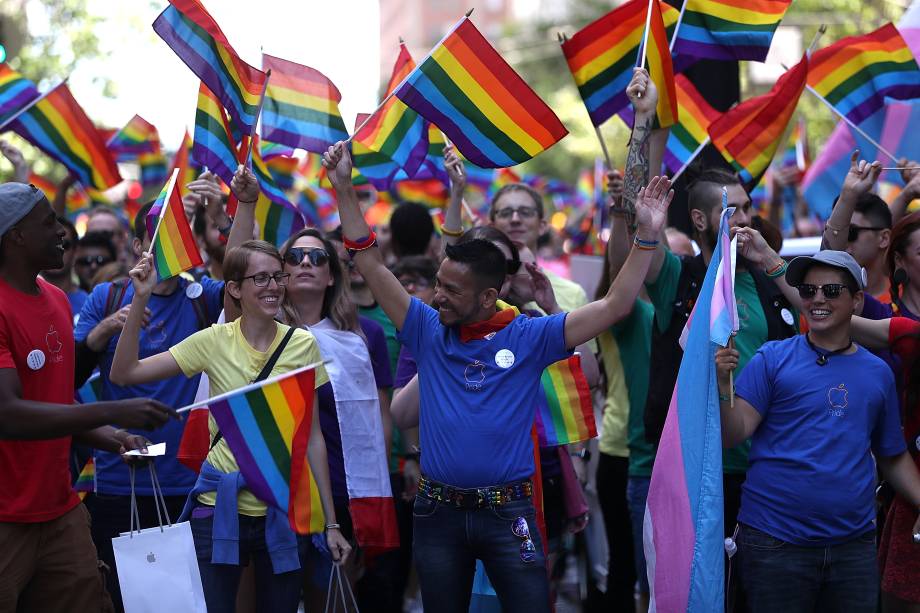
799,266
16,201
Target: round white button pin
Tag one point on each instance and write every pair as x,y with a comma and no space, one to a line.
786,314
504,358
193,290
35,359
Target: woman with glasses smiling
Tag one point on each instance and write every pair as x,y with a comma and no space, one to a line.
233,355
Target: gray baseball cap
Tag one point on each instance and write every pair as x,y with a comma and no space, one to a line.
799,266
16,201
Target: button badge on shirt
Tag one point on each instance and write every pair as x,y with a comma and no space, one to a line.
193,290
35,359
504,358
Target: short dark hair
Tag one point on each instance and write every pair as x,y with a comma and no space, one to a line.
410,229
336,234
704,194
493,235
517,187
71,229
99,239
140,222
485,261
875,209
417,266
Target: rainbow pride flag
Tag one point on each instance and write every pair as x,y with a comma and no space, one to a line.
276,216
565,414
749,134
502,177
153,169
395,131
857,73
283,170
429,192
602,56
182,161
86,481
690,133
77,201
374,167
311,168
195,37
213,145
58,125
301,107
91,391
489,113
173,247
138,136
729,29
433,165
16,93
661,69
267,426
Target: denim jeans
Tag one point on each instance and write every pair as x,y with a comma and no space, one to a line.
636,497
784,578
449,540
274,593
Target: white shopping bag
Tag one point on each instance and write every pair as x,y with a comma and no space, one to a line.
157,567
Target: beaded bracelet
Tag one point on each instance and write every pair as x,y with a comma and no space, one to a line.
452,233
777,271
361,244
645,245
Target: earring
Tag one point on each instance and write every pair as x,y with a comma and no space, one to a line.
899,276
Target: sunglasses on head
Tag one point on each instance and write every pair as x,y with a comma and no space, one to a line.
296,255
89,260
830,290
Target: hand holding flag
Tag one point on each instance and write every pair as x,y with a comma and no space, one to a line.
642,92
144,275
244,185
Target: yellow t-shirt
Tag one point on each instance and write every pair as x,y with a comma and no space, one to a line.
231,362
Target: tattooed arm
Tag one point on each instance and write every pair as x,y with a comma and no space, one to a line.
646,149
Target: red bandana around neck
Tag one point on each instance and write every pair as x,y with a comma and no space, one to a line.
481,329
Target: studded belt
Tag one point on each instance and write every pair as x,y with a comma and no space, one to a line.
475,498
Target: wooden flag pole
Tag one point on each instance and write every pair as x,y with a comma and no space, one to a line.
255,124
731,376
466,207
850,123
680,19
814,42
597,129
169,190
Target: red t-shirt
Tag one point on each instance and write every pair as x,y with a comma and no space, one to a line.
36,338
904,338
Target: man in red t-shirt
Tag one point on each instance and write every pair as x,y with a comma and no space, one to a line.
47,559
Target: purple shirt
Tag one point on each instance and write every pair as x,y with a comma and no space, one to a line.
406,368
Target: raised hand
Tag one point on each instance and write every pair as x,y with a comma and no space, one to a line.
207,186
144,276
652,207
543,293
14,155
245,186
337,161
642,92
754,248
454,166
615,186
861,176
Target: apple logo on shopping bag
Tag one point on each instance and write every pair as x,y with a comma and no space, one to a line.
151,557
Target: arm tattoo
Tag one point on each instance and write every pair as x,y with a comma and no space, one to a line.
637,164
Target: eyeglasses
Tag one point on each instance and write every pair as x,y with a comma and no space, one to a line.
512,266
522,531
90,260
416,282
524,212
830,290
261,279
853,234
296,255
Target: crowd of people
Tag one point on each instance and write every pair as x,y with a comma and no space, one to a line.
438,341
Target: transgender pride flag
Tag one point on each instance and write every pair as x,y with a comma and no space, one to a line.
683,529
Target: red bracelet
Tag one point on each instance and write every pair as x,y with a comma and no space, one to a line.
362,243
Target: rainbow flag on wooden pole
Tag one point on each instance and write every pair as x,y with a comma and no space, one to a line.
172,242
727,29
690,134
660,68
86,481
565,414
16,93
267,427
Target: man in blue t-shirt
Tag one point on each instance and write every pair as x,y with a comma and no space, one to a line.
821,413
479,376
178,308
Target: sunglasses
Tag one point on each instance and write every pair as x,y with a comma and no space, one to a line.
522,531
296,255
830,290
853,234
90,260
261,279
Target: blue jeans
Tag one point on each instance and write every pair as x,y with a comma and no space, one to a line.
636,497
786,578
448,541
274,593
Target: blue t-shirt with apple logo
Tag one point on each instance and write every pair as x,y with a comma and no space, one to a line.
478,398
812,476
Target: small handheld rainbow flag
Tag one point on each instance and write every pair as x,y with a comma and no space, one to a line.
172,242
564,412
660,68
301,107
857,73
59,126
689,134
213,145
429,192
153,168
16,92
749,134
729,29
86,481
195,37
138,136
267,426
480,103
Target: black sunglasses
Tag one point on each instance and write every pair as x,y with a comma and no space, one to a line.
296,255
830,290
853,234
89,260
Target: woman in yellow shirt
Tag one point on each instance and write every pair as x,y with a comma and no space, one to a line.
232,355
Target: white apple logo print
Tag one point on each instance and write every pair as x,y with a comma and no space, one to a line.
54,343
151,557
475,373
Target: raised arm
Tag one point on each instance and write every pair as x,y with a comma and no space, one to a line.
453,218
870,333
859,180
387,290
911,191
126,368
753,246
246,188
20,166
584,323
